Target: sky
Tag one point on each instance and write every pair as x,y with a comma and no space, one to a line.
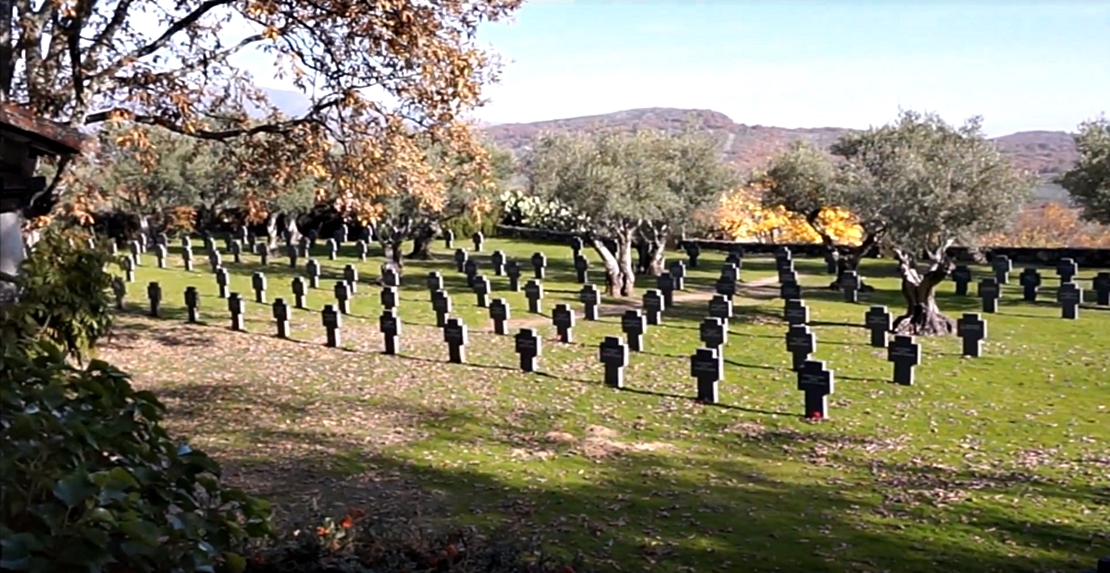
1022,65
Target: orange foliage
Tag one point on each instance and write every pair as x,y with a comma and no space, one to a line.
1051,226
742,217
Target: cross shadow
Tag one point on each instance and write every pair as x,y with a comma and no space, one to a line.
718,405
833,323
862,379
744,365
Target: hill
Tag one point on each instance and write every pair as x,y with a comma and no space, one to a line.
749,146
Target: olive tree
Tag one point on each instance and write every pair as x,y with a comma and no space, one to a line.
1088,181
930,185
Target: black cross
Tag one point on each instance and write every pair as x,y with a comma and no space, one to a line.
1070,296
258,283
795,311
533,291
187,258
563,319
1001,265
388,297
539,264
726,287
136,253
389,324
236,306
499,313
470,267
441,304
665,284
905,354
633,326
713,332
362,250
448,239
849,285
160,254
332,248
292,253
454,334
787,274
512,269
299,292
730,272
478,240
192,303
222,280
654,305
1030,281
214,260
735,256
591,298
1101,286
790,289
818,383
129,269
1066,269
800,343
613,353
281,317
693,252
877,319
434,281
972,330
460,260
389,275
528,347
497,261
154,295
576,245
707,367
343,297
481,290
350,275
581,269
312,270
720,306
678,271
988,292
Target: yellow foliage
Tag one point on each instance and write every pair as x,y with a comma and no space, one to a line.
1051,226
742,217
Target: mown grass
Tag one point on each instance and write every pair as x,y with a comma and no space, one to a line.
999,463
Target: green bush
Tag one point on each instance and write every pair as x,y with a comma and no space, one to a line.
466,225
89,480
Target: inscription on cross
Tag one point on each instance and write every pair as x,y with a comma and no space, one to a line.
499,314
590,298
905,354
654,306
795,312
988,293
818,383
707,367
878,321
1030,281
389,324
528,348
713,332
720,306
849,285
562,317
1070,296
613,354
455,335
633,326
800,343
973,331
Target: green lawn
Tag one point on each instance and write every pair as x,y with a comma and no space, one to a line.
999,463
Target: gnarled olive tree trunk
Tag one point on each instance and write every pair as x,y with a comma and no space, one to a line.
422,237
654,238
620,275
923,317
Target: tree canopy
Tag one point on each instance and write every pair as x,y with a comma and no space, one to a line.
1088,181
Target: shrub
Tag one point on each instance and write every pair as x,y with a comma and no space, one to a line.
467,224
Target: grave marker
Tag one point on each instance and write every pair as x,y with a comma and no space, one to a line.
129,269
795,312
192,303
136,253
187,258
258,283
735,257
832,261
1070,296
332,321
362,249
461,257
390,278
342,297
299,292
389,324
726,287
441,304
678,271
693,252
350,276
388,297
581,269
528,347
590,298
905,354
730,272
512,269
972,330
720,306
665,284
533,291
988,292
1066,269
454,334
613,353
707,367
478,241
470,267
849,285
481,290
236,251
713,332
499,313
223,281
633,326
576,246
434,281
312,270
1030,281
497,261
154,295
215,261
818,383
800,343
264,254
878,321
160,254
281,317
448,239
119,290
786,273
539,265
332,248
654,305
1101,285
236,306
790,290
562,317
1001,265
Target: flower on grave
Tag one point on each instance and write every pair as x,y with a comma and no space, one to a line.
815,415
347,522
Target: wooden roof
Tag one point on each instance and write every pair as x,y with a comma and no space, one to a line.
44,135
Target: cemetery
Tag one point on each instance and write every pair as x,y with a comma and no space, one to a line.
645,425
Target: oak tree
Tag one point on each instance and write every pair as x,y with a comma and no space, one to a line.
931,185
1088,181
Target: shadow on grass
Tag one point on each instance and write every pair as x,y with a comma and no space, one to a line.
692,518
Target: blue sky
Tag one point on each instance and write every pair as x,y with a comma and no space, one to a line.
1022,65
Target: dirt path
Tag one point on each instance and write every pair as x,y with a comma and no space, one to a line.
619,308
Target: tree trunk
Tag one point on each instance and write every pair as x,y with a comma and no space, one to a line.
11,253
627,284
292,229
620,276
923,317
422,242
656,258
272,231
850,260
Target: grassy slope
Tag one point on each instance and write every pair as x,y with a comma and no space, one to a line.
994,464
